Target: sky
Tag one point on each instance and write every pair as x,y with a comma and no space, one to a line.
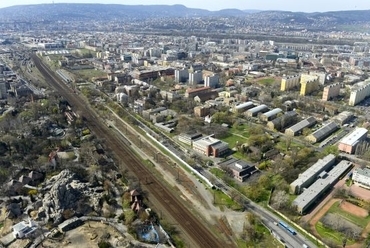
289,5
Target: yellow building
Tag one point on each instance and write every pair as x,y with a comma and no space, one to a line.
309,84
289,82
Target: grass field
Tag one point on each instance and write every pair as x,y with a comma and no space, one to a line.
327,233
90,73
217,172
221,199
266,81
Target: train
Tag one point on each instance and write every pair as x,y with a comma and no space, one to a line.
287,228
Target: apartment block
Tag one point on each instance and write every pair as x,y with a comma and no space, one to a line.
330,92
359,93
290,82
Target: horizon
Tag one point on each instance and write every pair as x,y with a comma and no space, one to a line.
285,5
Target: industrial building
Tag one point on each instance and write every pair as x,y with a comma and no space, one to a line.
331,91
268,116
242,107
297,128
361,177
210,146
290,82
310,175
325,182
283,121
256,110
359,93
323,132
343,117
349,143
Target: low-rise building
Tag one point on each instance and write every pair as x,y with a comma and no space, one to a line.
310,175
324,183
297,128
210,146
361,177
268,116
349,143
256,110
243,107
202,111
242,170
283,121
188,138
323,132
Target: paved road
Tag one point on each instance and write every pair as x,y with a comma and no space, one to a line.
291,241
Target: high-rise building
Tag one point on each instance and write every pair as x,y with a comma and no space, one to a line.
195,77
359,93
331,91
290,82
211,81
309,84
181,76
3,90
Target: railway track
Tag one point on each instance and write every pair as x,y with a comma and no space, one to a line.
194,228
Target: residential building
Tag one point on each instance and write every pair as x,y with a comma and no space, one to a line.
310,175
211,81
349,142
3,90
331,91
361,177
308,86
323,132
268,116
324,183
181,76
210,146
290,82
195,77
359,93
256,110
243,107
297,128
188,138
202,111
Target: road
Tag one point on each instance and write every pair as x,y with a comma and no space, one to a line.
267,217
191,228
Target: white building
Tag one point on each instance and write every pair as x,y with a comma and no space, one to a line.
359,93
24,229
181,76
195,77
361,177
211,81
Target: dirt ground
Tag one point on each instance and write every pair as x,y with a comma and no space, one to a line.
360,192
353,209
87,236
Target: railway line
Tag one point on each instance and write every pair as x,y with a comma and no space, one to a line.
194,228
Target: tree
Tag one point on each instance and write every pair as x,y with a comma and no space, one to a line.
280,199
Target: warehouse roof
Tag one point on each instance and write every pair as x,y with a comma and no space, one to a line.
310,121
325,131
273,112
352,138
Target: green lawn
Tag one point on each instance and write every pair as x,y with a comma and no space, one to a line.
90,73
266,81
217,172
362,222
327,233
221,199
232,140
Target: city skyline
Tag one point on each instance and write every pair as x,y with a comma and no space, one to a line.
288,5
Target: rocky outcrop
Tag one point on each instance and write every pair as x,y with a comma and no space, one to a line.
65,192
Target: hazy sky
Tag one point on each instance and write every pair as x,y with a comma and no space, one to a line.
293,5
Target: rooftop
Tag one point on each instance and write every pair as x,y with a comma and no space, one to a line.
352,138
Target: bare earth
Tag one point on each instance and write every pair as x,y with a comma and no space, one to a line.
353,209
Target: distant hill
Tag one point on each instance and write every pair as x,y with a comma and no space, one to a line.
108,12
65,11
